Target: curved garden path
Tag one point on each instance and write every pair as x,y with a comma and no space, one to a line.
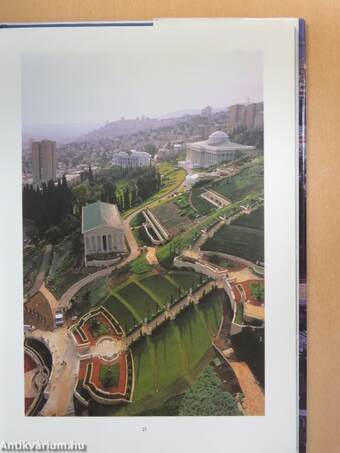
253,395
134,253
40,278
254,401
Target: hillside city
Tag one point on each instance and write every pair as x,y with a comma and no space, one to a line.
143,246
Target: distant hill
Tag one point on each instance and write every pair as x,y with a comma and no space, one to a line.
126,127
61,133
179,113
130,126
92,132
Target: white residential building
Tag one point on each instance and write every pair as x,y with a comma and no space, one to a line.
131,159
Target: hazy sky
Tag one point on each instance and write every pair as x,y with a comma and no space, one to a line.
97,88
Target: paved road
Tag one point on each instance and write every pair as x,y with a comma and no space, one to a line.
49,297
204,236
42,271
253,396
253,402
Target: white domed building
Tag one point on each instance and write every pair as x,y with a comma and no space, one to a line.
218,148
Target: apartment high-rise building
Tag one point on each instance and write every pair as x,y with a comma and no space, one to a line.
206,112
245,115
44,161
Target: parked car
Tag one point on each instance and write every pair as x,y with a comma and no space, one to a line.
59,318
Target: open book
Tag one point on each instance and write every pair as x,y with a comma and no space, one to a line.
150,287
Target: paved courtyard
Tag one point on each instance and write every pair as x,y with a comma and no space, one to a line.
244,274
107,348
64,370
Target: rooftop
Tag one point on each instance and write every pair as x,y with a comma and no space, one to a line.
218,137
133,152
100,214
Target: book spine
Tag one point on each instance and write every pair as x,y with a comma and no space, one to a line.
302,242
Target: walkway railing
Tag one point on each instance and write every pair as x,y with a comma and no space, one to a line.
170,312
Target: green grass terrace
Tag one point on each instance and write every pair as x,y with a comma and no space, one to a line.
176,214
243,238
248,182
142,297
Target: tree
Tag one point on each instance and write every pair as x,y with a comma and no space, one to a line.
133,196
257,291
53,234
48,204
77,243
248,136
119,202
66,197
81,194
207,397
69,224
148,183
91,178
126,195
109,189
150,148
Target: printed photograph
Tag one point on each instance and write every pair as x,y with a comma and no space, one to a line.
143,234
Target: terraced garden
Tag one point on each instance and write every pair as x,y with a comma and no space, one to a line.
141,297
254,220
185,279
172,178
163,289
122,313
248,182
212,317
243,238
139,300
169,361
202,206
176,215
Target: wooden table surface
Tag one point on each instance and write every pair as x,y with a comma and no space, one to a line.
323,66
